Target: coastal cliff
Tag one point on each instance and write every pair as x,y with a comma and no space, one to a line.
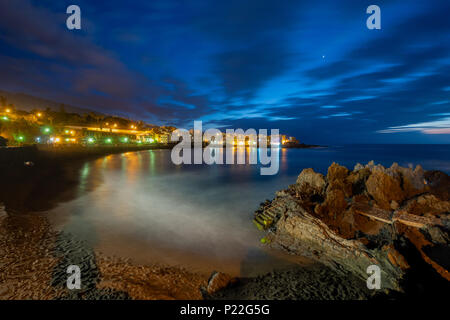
396,218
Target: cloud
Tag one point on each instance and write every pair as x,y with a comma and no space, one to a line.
441,126
245,70
247,63
252,38
330,107
358,98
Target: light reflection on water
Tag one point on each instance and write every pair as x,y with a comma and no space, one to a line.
140,205
147,208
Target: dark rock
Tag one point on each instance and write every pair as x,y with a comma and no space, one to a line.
438,183
318,217
358,180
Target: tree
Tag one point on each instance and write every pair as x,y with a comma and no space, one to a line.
3,142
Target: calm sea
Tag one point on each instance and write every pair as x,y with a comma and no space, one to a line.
140,205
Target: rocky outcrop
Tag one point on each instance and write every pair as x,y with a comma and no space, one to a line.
349,220
217,282
310,183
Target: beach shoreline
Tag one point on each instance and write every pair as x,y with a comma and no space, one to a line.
35,258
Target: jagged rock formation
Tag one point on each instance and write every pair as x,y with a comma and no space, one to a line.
349,220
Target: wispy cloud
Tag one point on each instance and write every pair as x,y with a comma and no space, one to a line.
441,126
330,107
358,98
249,63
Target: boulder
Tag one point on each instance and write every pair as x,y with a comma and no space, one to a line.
336,172
426,204
337,180
438,183
384,186
358,180
334,204
301,233
310,182
413,181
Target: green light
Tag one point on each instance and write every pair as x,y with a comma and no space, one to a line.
139,142
46,130
109,140
125,139
151,140
66,132
5,118
91,140
20,138
67,139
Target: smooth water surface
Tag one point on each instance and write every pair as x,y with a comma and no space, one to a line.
140,205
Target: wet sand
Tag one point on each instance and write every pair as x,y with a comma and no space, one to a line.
34,261
299,283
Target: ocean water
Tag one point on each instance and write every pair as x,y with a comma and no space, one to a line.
141,206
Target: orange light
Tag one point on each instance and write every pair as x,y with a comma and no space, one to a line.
39,114
115,125
8,110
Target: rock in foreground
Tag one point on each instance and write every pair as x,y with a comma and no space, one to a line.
396,218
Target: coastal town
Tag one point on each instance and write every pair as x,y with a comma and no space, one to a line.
61,128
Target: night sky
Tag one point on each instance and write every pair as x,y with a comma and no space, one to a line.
310,68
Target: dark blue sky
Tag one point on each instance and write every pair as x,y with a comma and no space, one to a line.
310,68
